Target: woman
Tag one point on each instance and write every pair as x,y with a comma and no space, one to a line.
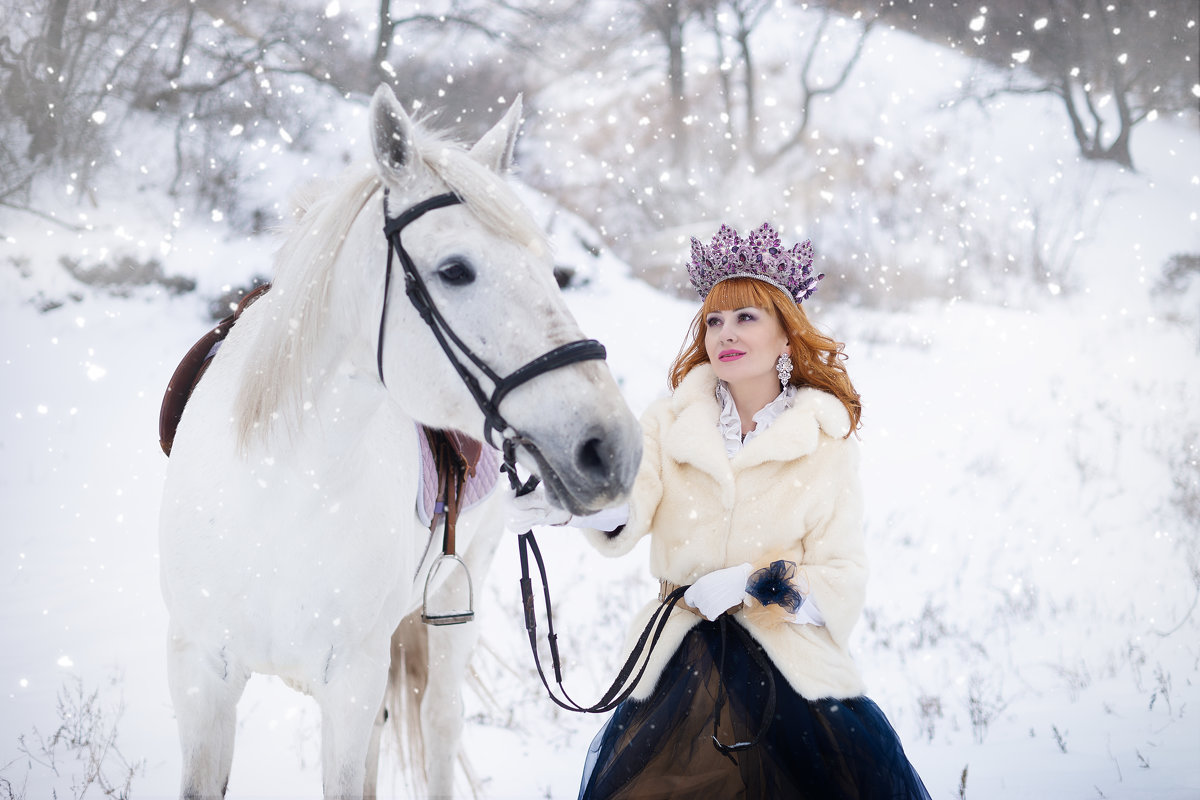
749,491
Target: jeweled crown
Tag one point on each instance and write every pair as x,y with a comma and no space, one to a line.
760,255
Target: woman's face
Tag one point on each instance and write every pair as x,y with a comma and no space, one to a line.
743,345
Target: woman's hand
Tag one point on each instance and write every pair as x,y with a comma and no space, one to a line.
535,508
718,591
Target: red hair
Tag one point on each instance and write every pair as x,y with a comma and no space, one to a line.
817,357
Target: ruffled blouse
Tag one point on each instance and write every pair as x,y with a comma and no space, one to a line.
730,423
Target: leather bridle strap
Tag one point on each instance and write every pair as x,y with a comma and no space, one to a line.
391,230
452,344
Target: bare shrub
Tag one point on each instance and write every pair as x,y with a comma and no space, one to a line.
929,710
1077,678
1060,738
985,702
124,273
82,751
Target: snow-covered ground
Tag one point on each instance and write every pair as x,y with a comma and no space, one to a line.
1031,625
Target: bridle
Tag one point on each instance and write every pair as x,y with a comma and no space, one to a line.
459,354
452,345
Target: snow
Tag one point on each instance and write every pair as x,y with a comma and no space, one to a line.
1031,615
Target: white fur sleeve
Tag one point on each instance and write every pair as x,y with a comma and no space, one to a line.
835,561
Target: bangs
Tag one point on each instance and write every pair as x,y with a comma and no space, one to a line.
742,293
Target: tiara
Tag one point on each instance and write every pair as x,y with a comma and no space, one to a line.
760,255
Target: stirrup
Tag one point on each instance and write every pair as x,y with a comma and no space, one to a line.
455,618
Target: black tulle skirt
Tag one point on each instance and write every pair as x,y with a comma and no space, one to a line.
724,723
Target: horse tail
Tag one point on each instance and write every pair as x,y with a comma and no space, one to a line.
408,677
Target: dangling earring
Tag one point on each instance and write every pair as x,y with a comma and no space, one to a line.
784,367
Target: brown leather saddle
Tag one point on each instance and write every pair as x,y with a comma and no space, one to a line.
192,368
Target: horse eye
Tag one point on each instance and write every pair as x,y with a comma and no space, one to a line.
456,273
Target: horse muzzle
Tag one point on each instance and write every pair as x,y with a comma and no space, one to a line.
589,468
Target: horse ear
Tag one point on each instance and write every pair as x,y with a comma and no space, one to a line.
391,134
495,148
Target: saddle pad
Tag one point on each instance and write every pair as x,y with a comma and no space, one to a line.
475,488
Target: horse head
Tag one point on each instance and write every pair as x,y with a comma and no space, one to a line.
483,272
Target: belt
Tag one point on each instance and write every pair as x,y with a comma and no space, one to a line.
666,587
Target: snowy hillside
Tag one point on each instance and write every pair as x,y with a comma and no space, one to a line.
1030,466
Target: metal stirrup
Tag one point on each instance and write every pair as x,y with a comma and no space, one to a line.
453,618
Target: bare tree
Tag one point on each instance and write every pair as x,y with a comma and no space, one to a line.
810,89
58,68
1112,63
746,15
486,47
668,21
73,72
736,21
1089,52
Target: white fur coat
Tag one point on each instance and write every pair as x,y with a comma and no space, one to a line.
791,493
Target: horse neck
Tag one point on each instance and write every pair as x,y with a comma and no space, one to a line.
315,330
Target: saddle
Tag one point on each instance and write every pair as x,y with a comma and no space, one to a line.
192,368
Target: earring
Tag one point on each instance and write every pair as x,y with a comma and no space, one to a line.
784,367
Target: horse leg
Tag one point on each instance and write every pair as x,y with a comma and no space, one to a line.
450,648
350,701
205,685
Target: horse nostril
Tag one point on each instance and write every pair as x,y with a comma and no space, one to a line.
591,458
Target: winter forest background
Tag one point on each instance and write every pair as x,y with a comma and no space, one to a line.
1005,199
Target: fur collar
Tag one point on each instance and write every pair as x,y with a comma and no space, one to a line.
694,438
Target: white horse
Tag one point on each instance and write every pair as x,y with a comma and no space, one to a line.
290,542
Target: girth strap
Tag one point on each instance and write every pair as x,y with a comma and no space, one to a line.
455,456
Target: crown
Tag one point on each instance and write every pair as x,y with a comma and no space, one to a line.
760,255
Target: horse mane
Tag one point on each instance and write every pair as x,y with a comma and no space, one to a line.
278,368
298,303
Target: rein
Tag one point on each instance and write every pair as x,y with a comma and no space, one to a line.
623,685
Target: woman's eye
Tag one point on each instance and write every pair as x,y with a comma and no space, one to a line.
712,322
746,316
456,273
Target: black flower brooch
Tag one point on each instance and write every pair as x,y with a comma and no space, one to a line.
775,585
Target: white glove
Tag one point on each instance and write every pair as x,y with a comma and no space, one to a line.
606,519
808,614
716,592
535,508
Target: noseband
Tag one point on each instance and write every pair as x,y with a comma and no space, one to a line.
452,345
